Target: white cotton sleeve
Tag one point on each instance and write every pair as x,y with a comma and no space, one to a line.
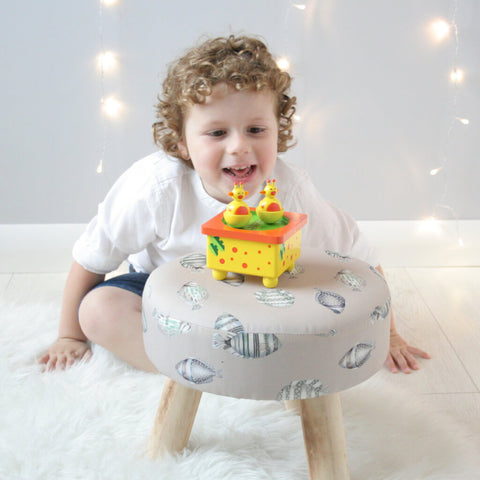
351,240
124,224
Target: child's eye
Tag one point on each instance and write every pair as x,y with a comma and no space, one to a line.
256,130
217,133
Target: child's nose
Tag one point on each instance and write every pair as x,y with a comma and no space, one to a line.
239,144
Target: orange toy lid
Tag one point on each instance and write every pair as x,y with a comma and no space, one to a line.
217,228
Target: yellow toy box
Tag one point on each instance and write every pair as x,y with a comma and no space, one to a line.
256,248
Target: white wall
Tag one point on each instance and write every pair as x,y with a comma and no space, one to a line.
375,98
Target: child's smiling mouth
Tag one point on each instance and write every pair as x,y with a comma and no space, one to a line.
240,172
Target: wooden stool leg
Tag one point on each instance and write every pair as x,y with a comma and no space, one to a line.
174,419
324,437
294,405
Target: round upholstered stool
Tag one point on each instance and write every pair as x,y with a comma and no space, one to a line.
323,329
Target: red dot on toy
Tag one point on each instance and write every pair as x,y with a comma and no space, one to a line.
244,265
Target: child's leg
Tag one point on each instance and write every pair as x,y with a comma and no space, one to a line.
112,317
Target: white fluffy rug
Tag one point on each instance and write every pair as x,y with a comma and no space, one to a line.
93,421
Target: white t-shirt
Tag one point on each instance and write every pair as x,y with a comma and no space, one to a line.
154,212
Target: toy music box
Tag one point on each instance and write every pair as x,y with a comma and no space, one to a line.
263,241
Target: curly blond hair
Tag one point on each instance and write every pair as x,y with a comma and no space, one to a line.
239,61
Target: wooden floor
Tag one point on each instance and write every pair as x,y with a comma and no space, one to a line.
437,309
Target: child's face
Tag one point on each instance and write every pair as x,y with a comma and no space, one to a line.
232,137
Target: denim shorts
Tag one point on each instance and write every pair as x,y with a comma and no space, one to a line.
133,282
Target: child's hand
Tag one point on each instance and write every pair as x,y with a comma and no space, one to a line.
64,353
402,355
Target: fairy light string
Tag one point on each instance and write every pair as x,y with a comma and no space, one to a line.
441,30
101,67
107,63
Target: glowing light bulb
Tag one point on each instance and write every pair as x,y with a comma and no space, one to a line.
283,64
440,29
456,75
430,226
107,61
300,6
463,121
111,107
297,118
100,166
109,3
434,171
460,242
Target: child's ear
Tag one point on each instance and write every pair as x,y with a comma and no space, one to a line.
182,148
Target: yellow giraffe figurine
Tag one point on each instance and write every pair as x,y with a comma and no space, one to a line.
237,214
269,209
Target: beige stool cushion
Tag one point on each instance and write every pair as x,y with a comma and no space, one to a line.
323,329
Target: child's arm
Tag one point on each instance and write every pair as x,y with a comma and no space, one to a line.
71,344
401,355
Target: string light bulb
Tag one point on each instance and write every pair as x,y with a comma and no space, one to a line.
283,64
440,29
430,226
100,167
107,61
456,75
109,3
300,6
111,107
463,121
434,171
